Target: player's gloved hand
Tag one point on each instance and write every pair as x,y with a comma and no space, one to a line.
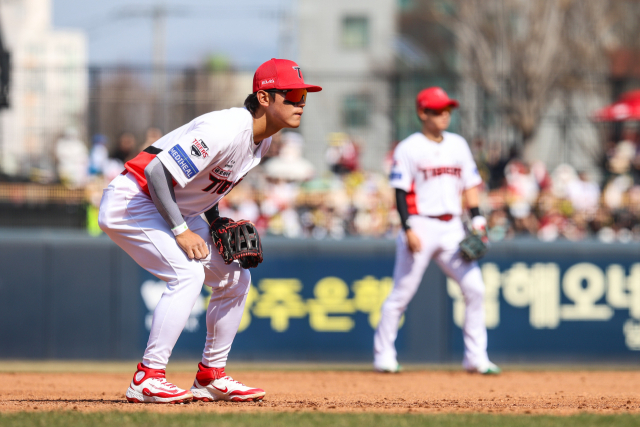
237,241
413,241
479,227
192,244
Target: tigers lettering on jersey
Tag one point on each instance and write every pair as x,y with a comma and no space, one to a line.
220,186
186,165
434,174
446,170
217,185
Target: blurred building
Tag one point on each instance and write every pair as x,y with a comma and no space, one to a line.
48,91
348,49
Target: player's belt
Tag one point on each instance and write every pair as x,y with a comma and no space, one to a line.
445,217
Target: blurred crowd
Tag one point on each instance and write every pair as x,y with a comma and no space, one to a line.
286,196
523,199
283,196
77,166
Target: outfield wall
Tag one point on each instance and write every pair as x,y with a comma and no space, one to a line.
68,295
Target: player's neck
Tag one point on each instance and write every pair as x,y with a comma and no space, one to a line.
432,134
261,128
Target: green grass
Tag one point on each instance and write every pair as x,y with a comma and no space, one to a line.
303,419
127,367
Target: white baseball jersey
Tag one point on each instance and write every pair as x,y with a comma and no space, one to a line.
434,173
207,157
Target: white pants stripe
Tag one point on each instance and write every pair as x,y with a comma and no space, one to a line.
440,240
129,217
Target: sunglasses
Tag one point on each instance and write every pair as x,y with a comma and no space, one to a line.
292,96
437,112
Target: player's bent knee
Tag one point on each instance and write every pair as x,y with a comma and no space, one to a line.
229,276
198,275
245,277
472,285
394,305
241,282
235,286
473,293
192,273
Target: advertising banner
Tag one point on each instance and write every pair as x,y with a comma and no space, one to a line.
559,301
542,302
82,297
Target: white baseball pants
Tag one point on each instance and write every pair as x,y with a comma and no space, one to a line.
130,218
440,240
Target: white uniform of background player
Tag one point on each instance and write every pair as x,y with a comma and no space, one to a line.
162,229
432,170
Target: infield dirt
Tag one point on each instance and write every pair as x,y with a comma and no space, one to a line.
535,392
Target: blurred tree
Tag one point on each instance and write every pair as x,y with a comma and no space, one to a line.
123,103
212,86
124,100
216,63
524,53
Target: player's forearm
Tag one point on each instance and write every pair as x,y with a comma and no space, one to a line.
163,196
403,208
212,214
471,197
472,201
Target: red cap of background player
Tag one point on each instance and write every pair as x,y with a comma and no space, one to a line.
280,74
434,98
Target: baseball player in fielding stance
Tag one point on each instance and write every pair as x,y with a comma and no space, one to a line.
153,211
432,170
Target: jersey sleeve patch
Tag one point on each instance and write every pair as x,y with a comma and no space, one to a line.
395,175
184,163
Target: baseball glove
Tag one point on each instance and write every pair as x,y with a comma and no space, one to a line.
474,246
237,241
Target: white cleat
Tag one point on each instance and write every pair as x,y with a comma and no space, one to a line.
485,369
151,386
387,368
213,384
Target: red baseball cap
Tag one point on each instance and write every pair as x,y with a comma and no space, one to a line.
280,74
434,98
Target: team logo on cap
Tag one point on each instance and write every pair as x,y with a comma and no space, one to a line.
298,70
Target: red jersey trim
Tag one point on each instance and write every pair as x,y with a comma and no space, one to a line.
136,167
411,200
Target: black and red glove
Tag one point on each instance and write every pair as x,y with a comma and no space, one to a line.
237,241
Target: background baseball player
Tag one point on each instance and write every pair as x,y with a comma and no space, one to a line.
153,211
432,170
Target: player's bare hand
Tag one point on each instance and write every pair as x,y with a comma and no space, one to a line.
413,241
192,244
